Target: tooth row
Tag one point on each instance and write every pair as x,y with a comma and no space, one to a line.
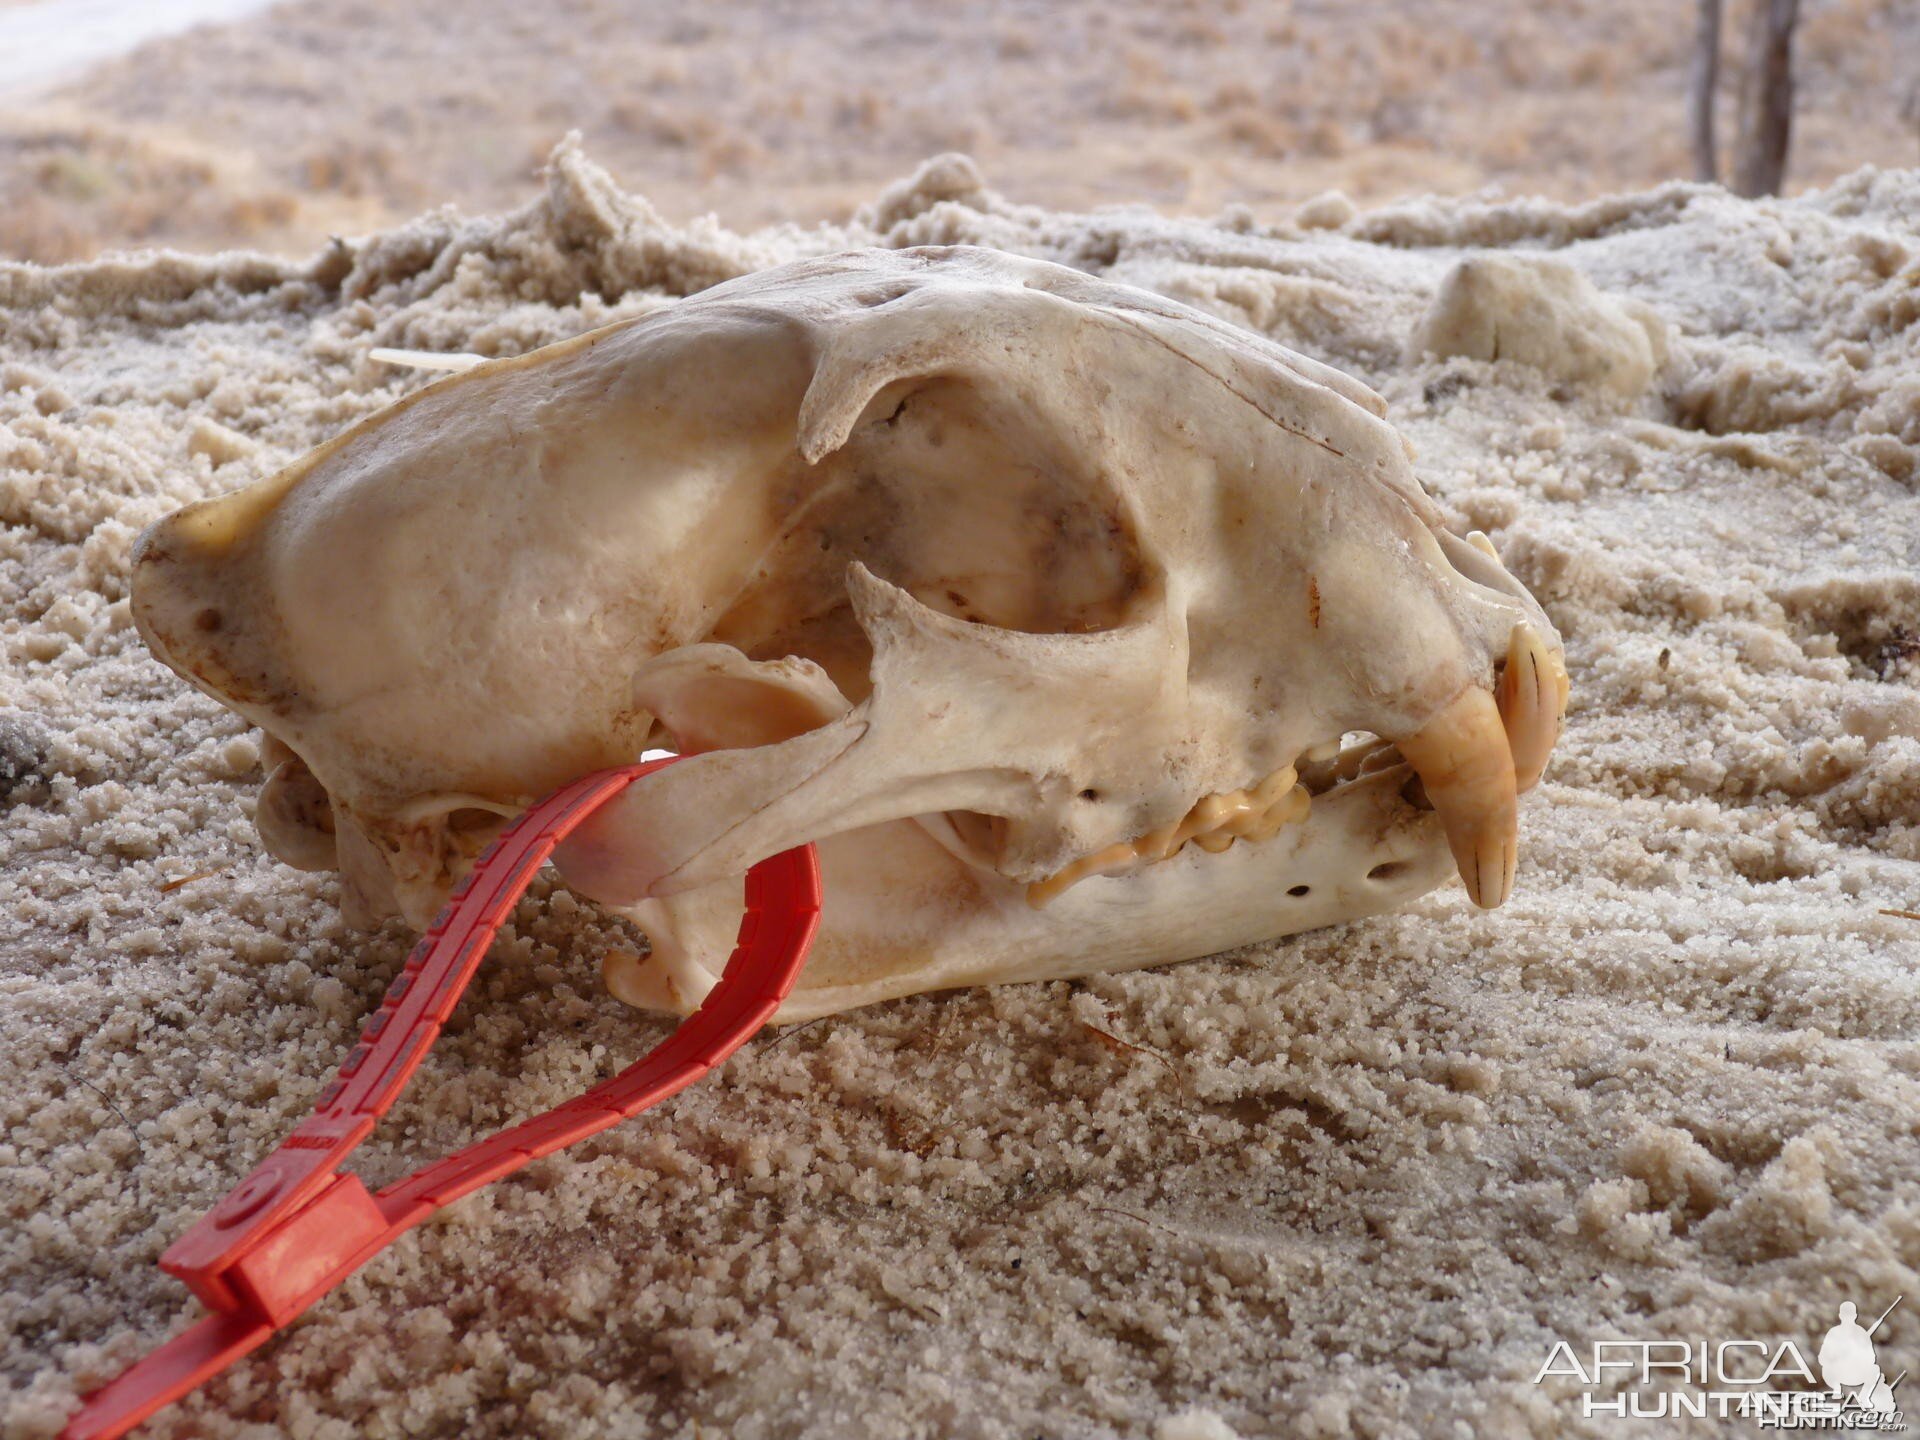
1213,824
1474,759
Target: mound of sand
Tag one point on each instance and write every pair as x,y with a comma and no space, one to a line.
1356,1182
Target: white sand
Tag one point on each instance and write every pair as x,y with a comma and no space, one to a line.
1353,1183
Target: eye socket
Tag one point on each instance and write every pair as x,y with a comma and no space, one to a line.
1387,870
971,501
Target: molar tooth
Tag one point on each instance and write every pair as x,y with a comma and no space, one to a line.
1161,843
1215,842
1099,863
1276,785
1213,811
1289,809
1466,765
1532,699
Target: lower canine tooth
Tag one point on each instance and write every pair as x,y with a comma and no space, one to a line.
1532,695
1466,765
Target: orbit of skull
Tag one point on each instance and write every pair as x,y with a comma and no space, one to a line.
1080,629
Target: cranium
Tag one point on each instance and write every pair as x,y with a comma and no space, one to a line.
1000,582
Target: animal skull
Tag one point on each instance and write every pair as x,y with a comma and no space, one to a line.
1000,582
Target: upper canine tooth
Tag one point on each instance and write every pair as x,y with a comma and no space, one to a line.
1532,698
1466,765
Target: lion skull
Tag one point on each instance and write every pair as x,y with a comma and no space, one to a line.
1041,603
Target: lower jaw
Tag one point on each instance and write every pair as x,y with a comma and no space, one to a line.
903,915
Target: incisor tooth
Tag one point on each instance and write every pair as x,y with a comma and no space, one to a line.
1532,696
1466,765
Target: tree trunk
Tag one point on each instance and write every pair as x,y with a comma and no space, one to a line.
1766,111
1702,81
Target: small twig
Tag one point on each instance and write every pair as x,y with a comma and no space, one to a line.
1110,1039
788,1034
173,885
1903,914
139,1150
1137,1219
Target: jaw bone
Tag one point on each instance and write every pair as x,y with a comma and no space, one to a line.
903,913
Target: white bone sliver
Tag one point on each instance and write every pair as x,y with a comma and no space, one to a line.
425,359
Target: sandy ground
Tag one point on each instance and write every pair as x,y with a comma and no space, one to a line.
342,116
1353,1183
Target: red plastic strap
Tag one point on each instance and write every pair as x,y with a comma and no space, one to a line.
295,1228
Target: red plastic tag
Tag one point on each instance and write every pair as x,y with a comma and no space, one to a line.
295,1228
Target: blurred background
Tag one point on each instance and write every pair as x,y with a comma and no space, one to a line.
207,124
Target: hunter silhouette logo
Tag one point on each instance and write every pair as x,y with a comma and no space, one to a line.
1768,1382
1848,1365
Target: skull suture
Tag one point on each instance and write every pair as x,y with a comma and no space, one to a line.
999,581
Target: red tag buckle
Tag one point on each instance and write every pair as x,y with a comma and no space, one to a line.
295,1227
